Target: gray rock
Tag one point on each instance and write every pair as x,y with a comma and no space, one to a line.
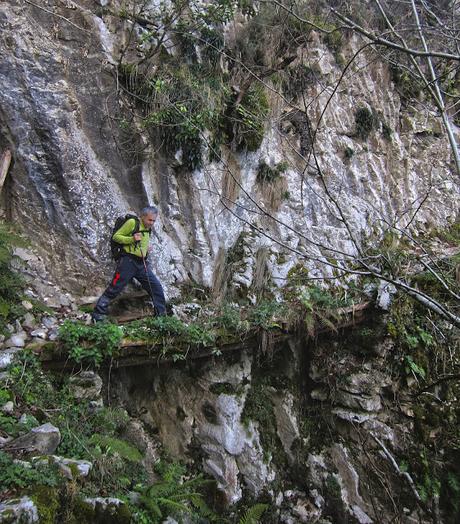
27,305
43,440
348,480
86,385
135,433
18,340
286,421
107,509
224,469
40,333
8,407
29,321
72,469
385,295
49,322
53,334
7,356
317,471
306,511
18,510
4,441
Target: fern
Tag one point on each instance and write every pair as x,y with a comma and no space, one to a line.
253,514
114,445
173,496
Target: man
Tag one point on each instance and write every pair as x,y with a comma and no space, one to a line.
132,264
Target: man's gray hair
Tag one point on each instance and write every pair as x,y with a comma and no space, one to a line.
149,209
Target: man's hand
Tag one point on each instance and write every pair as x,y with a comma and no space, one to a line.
137,237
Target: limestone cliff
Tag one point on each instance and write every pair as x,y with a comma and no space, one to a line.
80,157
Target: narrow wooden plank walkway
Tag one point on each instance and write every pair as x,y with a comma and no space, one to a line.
141,352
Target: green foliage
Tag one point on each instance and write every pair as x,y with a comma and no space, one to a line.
296,79
229,317
11,283
407,84
265,314
9,425
46,499
386,131
412,368
258,408
15,475
451,493
268,174
365,122
28,383
172,495
117,446
348,153
5,396
428,486
90,344
250,117
334,39
173,336
253,514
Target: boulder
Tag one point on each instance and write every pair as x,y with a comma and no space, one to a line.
8,407
40,333
108,509
72,469
18,510
41,440
29,321
18,340
286,421
7,355
86,385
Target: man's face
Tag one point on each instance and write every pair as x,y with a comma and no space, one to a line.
149,219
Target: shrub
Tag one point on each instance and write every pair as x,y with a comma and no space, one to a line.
267,174
90,344
365,122
11,283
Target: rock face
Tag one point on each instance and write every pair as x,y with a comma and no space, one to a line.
59,113
259,427
22,510
202,412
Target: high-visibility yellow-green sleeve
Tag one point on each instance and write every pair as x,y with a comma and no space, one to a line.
124,235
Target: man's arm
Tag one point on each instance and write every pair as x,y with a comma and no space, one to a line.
125,234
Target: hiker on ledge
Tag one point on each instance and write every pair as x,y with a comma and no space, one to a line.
131,240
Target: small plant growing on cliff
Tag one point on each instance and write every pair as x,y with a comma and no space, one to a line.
364,122
253,514
11,283
172,495
15,475
246,123
90,344
268,174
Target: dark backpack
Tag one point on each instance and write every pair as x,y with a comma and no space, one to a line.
116,248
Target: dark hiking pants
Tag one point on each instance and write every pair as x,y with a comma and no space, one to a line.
129,267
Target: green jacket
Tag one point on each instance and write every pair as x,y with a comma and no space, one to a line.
124,236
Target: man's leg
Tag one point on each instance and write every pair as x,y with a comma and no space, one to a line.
152,285
123,274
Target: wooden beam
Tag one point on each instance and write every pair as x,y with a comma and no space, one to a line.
5,163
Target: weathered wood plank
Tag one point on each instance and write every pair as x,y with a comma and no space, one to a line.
5,163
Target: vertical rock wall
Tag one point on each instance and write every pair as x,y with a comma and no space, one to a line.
76,164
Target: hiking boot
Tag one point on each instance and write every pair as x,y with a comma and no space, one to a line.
97,318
